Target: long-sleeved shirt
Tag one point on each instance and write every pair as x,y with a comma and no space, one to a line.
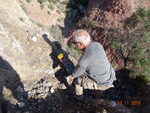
95,63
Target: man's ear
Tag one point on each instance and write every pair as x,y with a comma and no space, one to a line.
82,45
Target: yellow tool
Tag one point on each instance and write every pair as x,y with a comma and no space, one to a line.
60,56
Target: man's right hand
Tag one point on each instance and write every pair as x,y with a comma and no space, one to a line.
63,60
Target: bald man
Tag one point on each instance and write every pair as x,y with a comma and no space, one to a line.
93,62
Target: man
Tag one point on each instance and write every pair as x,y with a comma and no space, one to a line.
100,74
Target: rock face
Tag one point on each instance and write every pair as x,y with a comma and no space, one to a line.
21,59
112,14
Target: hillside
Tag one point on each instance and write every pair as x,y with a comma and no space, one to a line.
32,80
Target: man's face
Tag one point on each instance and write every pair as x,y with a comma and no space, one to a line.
79,45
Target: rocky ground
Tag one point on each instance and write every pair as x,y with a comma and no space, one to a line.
43,97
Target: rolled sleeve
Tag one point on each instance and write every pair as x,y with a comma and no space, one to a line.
78,71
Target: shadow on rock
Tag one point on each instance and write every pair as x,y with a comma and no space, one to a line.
9,82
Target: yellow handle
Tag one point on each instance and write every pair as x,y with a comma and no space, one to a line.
60,56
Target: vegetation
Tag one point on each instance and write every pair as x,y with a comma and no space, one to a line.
53,1
133,45
41,1
24,9
76,53
50,6
87,23
22,19
48,12
28,1
56,32
40,25
42,6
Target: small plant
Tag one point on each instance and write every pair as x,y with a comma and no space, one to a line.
24,9
40,25
55,31
20,1
87,23
32,20
41,1
73,51
50,6
22,19
42,6
28,1
48,12
133,45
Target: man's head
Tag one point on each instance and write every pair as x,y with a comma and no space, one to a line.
81,39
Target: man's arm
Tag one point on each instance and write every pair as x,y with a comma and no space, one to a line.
78,71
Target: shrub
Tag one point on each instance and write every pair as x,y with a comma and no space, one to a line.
55,31
41,1
73,51
40,25
50,6
133,45
22,19
24,9
28,1
42,6
48,12
85,22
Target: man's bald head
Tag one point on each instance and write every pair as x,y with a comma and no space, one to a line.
82,36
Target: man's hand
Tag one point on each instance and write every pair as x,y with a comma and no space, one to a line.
63,60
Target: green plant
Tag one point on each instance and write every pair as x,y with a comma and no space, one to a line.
48,12
50,6
73,51
53,1
42,6
24,9
32,20
41,1
55,31
28,1
85,22
22,19
40,25
133,45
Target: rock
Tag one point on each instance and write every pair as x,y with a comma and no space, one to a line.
63,86
123,86
33,38
21,99
104,111
112,104
25,95
21,104
52,90
54,109
34,91
46,89
18,111
20,89
39,100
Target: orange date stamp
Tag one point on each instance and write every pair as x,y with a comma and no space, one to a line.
133,103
